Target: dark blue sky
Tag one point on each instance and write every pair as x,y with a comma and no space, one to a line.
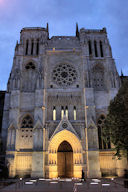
62,16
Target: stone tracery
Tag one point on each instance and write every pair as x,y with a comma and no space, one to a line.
27,122
64,75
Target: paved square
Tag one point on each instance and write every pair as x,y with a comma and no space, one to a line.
67,185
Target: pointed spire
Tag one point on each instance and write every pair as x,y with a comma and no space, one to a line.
47,28
77,30
122,73
16,45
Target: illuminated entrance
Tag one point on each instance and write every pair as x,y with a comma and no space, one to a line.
65,160
65,155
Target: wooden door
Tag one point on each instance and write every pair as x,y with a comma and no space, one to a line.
65,160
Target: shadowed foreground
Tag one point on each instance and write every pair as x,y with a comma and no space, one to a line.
67,185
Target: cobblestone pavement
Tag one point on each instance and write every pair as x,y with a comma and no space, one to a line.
67,185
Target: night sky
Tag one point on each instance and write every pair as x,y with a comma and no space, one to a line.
62,16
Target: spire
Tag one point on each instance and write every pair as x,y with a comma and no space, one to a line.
77,30
47,28
122,73
16,45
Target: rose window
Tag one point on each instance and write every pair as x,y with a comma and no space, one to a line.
64,75
64,125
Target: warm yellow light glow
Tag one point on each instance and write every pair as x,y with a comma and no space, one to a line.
23,164
74,114
43,107
62,113
66,113
54,114
72,139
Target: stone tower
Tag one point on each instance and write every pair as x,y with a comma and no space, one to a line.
58,91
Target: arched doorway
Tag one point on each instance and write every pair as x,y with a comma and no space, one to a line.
53,157
65,160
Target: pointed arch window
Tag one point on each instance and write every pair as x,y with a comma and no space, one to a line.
62,112
95,47
98,77
101,49
74,112
90,47
66,111
37,47
27,122
102,143
26,133
27,43
30,76
54,113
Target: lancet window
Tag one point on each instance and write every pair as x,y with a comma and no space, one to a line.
101,49
98,77
29,77
62,112
26,133
66,111
27,43
37,47
54,113
102,143
90,47
74,112
95,47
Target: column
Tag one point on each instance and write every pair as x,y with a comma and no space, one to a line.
9,139
29,47
34,47
93,50
35,139
13,139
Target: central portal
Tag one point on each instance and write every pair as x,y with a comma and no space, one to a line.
65,160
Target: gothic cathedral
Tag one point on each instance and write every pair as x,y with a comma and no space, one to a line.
56,102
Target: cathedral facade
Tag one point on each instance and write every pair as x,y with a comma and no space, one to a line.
56,102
